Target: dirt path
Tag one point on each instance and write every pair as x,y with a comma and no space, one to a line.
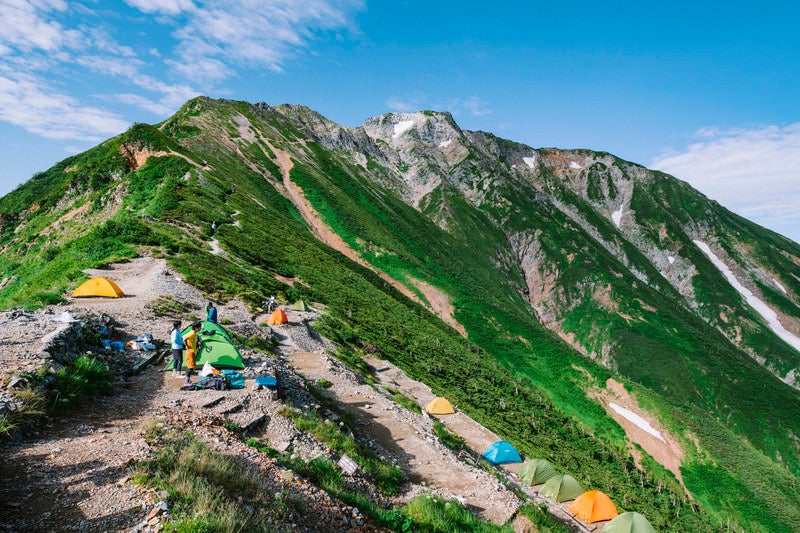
410,437
439,303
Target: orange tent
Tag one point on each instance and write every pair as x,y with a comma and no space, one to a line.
277,317
99,287
593,506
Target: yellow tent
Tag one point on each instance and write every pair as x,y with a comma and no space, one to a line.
593,506
99,287
440,406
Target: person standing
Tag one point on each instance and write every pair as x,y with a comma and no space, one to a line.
176,340
212,313
191,341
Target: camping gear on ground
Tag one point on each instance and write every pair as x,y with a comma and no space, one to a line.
536,472
207,370
631,522
213,382
215,347
501,452
98,287
277,317
593,506
561,487
439,406
300,305
235,378
267,381
114,345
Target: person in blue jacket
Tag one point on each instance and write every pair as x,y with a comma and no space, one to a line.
212,313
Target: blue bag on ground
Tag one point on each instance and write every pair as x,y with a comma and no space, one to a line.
236,378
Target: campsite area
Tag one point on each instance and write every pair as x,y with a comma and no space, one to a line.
73,472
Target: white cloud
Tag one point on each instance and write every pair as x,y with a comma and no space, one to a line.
28,102
166,7
25,26
476,107
215,34
405,105
755,173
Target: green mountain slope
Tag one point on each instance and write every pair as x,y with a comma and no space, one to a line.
564,269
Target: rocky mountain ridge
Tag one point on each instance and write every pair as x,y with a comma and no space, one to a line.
447,251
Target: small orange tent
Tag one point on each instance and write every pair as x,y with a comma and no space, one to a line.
593,506
277,317
439,406
98,287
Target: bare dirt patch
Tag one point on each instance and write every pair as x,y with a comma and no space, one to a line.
668,452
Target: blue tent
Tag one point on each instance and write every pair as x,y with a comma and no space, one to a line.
501,452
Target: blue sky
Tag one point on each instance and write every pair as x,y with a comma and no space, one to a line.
706,91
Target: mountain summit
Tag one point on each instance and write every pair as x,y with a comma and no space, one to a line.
535,287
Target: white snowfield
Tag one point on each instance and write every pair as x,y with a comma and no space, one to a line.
761,308
638,420
671,259
444,144
616,216
530,161
402,127
573,164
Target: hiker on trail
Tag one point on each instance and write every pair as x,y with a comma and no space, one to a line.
213,227
176,338
191,341
212,313
270,304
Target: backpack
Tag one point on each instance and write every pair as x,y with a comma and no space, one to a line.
213,381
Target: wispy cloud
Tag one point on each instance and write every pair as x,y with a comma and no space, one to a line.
266,34
52,51
30,103
753,172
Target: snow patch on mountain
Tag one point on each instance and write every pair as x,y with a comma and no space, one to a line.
530,161
616,216
576,166
402,127
638,420
761,308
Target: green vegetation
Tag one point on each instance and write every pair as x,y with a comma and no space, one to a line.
448,438
51,391
387,477
404,400
208,491
510,373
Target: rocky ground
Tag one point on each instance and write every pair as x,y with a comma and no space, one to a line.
72,472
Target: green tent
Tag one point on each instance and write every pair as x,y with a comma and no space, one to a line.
561,487
536,471
629,523
300,305
217,348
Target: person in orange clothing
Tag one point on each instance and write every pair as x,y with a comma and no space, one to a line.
191,341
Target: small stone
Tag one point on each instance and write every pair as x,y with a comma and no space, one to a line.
163,495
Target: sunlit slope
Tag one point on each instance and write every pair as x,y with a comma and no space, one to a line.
563,267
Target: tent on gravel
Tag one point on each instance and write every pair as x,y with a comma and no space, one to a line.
98,287
277,317
561,487
440,406
631,522
217,348
593,506
501,452
536,472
